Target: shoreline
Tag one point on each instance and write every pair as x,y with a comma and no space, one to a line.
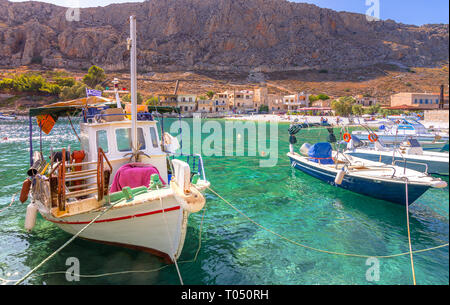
288,119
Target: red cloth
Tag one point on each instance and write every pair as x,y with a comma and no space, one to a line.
134,175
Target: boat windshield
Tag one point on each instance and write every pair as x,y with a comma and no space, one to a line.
123,139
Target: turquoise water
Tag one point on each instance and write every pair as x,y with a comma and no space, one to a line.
234,250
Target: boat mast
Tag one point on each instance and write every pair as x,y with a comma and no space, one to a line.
133,77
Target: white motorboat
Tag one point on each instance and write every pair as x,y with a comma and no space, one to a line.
400,131
409,154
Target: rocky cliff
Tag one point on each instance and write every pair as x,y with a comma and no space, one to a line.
245,35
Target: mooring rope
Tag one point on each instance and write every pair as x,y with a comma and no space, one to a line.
13,198
126,271
73,128
170,238
320,250
64,245
409,234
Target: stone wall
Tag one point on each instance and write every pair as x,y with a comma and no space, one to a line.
437,116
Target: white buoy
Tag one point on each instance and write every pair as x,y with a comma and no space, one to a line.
340,177
30,217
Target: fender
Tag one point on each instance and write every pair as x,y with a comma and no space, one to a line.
191,201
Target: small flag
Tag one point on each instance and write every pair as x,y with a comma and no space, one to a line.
92,92
45,122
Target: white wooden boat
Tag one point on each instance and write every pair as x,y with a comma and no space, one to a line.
75,188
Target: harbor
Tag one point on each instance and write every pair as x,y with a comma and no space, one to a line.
236,187
233,250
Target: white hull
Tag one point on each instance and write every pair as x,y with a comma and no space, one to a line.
144,226
428,142
437,163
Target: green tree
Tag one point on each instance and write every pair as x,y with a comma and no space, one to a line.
210,94
64,81
323,97
263,108
95,76
374,109
29,82
76,91
127,98
313,98
343,106
152,101
357,109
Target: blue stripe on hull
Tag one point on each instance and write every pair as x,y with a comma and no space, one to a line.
393,192
439,168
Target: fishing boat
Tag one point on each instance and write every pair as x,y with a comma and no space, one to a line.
409,154
373,179
152,193
7,117
401,130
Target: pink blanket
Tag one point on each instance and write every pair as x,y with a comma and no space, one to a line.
134,175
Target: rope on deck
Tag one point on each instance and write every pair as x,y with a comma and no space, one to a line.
320,250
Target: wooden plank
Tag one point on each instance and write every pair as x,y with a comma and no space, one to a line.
81,173
81,185
81,193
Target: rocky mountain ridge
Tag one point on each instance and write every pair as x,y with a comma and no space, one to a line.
213,35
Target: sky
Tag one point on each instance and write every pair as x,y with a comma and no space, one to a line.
416,12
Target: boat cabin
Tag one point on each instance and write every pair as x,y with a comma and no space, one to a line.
115,139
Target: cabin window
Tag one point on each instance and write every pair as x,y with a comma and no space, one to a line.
102,140
154,137
123,139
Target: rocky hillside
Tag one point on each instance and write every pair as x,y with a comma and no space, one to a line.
214,35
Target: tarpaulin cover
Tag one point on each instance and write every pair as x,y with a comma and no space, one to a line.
321,153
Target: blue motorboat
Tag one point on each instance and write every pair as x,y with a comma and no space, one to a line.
373,179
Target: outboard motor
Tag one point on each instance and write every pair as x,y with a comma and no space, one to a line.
331,137
354,142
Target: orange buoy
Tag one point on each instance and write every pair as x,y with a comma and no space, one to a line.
347,137
373,137
25,190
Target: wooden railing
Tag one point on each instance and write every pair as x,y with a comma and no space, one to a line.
80,190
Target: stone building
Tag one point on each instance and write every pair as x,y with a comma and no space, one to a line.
421,101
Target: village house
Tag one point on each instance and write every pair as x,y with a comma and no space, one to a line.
187,102
168,100
422,101
224,100
322,104
205,106
260,97
296,101
275,103
242,101
365,101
